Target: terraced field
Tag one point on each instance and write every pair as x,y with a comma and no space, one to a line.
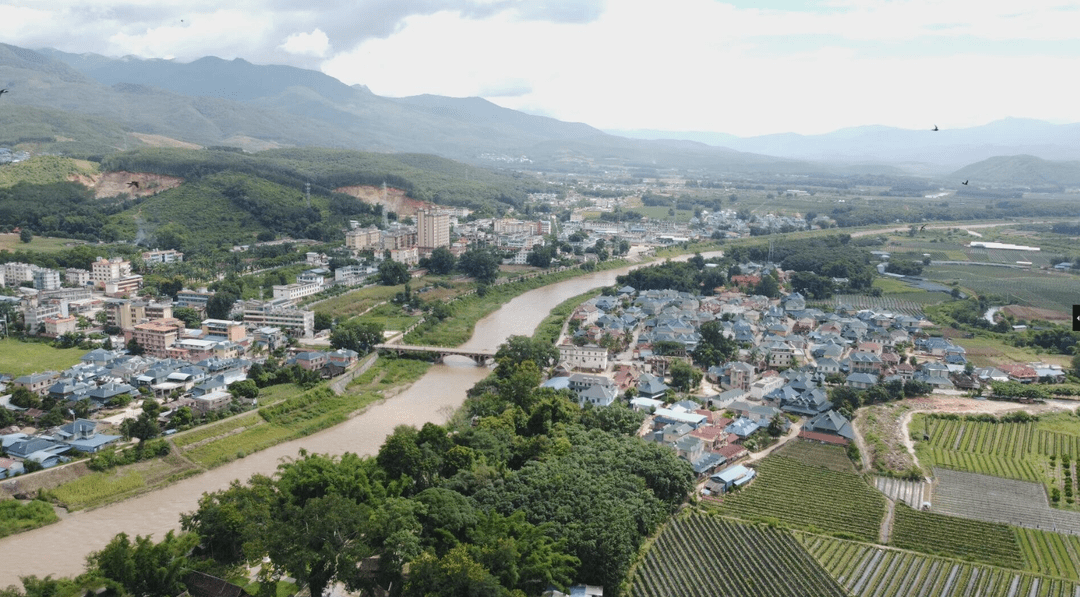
705,555
809,497
875,571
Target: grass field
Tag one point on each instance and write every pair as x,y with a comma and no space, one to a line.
100,488
827,501
983,351
22,358
701,556
297,415
40,244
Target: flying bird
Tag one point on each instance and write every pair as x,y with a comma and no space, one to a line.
935,128
964,183
3,91
135,184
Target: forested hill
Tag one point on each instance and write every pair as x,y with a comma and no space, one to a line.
228,197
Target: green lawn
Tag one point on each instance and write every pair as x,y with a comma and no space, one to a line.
22,358
40,244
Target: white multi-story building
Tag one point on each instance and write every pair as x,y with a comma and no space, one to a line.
74,276
584,357
360,239
295,292
102,270
162,256
279,314
46,279
16,273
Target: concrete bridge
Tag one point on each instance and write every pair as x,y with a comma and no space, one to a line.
481,356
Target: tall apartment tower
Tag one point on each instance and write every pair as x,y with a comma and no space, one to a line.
432,230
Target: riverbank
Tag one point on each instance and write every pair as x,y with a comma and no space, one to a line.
60,549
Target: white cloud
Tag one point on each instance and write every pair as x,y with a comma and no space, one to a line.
680,64
315,44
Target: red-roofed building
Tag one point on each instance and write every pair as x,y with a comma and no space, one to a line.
714,437
1020,373
826,438
732,452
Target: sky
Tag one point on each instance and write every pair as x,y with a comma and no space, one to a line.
744,67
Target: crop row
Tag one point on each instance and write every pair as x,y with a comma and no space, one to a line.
811,497
993,499
1053,443
818,454
876,572
880,303
705,555
1050,553
1011,440
985,464
988,542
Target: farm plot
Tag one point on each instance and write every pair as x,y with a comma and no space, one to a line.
704,555
999,449
817,454
1045,290
879,304
992,499
880,572
810,497
1050,553
987,542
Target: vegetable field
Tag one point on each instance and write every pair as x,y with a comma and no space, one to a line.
810,497
817,454
1016,503
998,449
884,303
704,555
878,572
1050,553
1034,288
987,542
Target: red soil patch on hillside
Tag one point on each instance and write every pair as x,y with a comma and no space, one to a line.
395,199
111,184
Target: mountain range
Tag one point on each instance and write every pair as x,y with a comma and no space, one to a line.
92,105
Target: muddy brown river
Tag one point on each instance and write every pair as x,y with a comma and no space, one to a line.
60,549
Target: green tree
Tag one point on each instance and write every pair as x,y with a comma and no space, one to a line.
518,349
143,568
25,235
189,316
244,389
481,264
320,541
220,305
684,377
441,262
323,321
357,335
134,348
768,286
392,273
